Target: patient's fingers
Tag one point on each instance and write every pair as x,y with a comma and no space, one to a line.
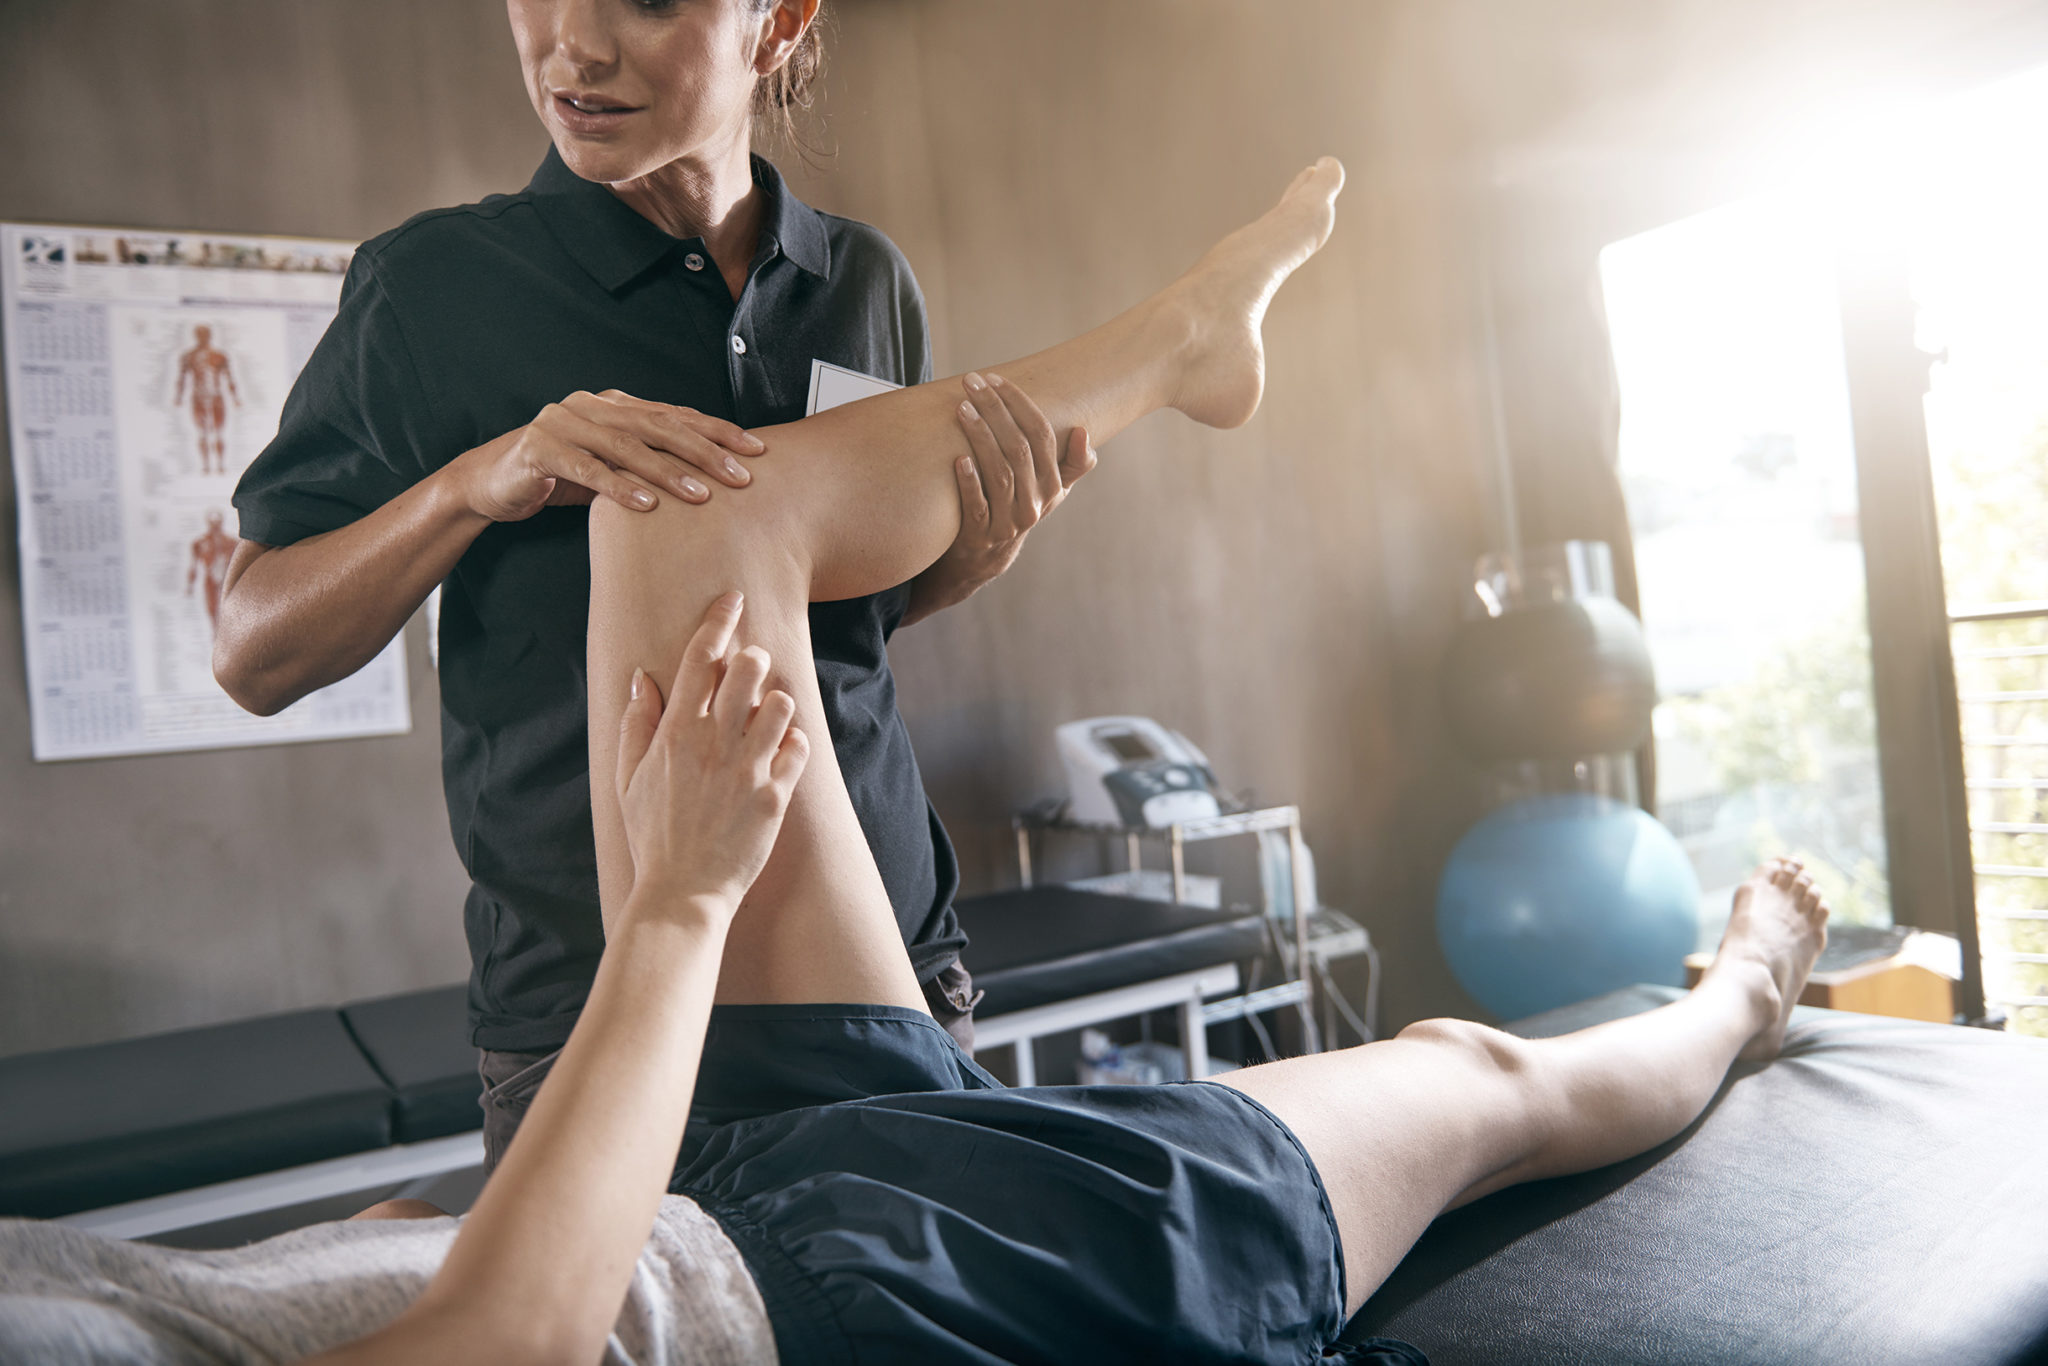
704,657
746,677
637,725
790,757
770,723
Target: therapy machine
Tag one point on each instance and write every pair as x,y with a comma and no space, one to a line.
1130,771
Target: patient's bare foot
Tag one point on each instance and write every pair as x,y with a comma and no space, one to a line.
1223,298
1779,922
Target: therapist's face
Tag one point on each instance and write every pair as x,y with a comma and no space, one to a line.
626,87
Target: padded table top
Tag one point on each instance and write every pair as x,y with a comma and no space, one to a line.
108,1123
419,1041
1041,944
1878,1195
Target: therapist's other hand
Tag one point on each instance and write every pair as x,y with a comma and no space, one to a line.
1012,478
608,445
704,780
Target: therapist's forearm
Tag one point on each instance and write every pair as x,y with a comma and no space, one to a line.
296,618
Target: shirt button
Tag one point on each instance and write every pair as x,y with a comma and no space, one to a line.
693,262
739,345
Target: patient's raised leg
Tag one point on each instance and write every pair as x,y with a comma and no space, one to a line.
859,499
1450,1110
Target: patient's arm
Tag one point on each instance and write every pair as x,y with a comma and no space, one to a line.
542,1262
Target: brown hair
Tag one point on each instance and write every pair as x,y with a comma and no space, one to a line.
791,87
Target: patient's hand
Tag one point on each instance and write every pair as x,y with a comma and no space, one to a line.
704,781
1012,480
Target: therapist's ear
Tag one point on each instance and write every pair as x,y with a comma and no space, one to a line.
788,56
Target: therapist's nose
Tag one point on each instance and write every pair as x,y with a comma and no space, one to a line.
584,38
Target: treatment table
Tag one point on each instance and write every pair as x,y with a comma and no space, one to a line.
1878,1196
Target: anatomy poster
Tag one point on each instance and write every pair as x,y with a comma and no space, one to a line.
144,372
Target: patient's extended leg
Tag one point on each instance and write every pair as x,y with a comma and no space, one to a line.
859,499
867,488
1449,1110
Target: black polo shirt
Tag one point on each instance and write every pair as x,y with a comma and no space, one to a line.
463,324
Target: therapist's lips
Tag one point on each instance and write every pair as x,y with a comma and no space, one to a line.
582,112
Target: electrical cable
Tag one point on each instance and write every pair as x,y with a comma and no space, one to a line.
1343,1004
1258,1027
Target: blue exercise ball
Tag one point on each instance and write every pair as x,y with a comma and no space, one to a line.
1556,898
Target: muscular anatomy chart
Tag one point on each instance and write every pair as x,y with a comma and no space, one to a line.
144,372
206,373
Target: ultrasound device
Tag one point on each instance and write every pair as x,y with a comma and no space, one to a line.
1131,771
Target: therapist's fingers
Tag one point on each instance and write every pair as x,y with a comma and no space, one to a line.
632,437
571,446
1040,439
1008,479
993,482
1079,459
637,724
704,658
973,501
693,438
730,435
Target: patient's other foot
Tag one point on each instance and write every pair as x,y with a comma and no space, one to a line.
1224,297
1779,922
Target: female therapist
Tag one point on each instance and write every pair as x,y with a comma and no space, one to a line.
655,290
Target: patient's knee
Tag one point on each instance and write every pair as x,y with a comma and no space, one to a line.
1475,1043
737,528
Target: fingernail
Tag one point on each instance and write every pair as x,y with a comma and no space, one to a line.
733,600
641,498
732,467
995,379
639,684
969,411
695,489
974,382
754,443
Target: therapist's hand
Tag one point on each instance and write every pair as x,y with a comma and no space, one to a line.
1014,475
608,445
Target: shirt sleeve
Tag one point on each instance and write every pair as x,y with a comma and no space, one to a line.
356,430
915,333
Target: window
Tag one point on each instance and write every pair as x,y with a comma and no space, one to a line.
1739,472
1738,468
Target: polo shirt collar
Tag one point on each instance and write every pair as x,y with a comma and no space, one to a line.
614,244
795,225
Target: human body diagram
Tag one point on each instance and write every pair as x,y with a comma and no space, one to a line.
207,374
